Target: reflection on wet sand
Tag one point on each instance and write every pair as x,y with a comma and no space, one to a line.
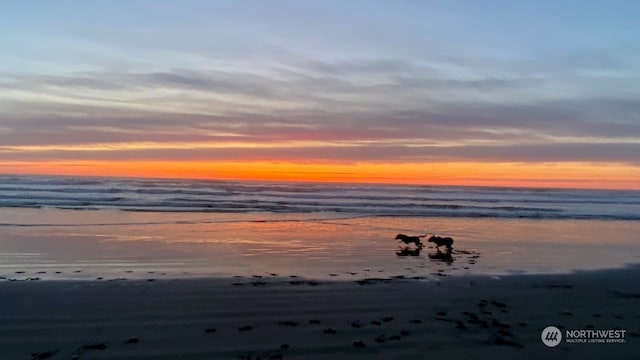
196,245
447,256
443,256
408,251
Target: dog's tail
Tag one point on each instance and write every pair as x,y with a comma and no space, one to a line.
421,236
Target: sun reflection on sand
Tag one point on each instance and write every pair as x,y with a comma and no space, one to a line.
313,248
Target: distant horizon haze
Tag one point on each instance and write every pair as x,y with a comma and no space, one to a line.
565,176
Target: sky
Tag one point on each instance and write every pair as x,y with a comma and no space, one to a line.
504,93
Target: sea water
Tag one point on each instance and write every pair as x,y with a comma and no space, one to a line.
79,227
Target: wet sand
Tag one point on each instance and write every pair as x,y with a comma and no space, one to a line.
281,317
54,244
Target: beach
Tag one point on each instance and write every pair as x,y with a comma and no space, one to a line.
319,180
154,269
294,318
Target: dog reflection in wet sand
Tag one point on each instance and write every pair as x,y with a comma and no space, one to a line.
407,251
445,257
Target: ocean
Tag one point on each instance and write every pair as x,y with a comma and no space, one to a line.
327,200
80,227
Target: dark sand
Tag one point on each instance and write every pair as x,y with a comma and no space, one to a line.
292,318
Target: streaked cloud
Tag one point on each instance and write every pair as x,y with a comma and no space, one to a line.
403,82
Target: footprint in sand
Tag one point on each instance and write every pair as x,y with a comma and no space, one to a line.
329,331
132,341
210,330
100,346
496,339
275,354
359,344
288,323
498,304
81,350
245,328
43,355
498,324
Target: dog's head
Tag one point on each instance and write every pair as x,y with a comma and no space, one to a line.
432,239
400,236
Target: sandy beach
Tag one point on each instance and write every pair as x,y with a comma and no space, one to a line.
319,180
281,317
307,279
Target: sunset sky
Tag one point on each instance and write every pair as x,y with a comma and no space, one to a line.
534,93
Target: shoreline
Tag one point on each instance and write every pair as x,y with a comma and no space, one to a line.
287,317
190,245
380,276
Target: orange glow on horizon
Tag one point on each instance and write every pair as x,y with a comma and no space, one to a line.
562,175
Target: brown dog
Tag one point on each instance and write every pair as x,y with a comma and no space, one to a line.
410,239
440,241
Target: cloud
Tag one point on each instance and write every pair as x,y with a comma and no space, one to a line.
358,109
534,153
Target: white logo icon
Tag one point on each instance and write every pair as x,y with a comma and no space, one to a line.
551,336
